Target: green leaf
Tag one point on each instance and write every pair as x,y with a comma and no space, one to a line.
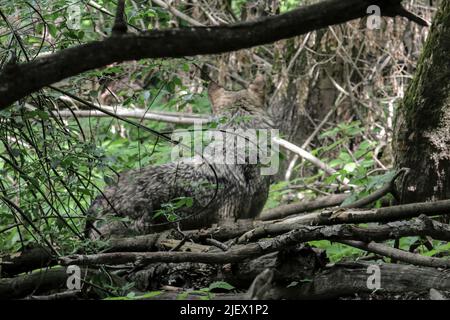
52,30
350,167
344,156
149,295
221,285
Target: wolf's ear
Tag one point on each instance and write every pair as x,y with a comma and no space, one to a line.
217,96
256,90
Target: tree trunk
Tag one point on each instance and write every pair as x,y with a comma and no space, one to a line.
422,130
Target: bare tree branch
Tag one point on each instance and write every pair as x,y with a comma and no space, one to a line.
134,113
303,206
18,82
120,27
398,254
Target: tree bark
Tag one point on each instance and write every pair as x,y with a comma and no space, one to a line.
422,131
350,278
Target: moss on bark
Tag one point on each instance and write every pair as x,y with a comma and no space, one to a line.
422,130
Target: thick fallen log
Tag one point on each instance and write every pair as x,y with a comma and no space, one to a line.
339,280
342,280
31,259
50,280
35,283
346,279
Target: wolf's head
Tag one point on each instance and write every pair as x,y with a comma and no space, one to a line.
244,108
223,101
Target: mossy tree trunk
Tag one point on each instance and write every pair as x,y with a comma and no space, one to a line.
422,129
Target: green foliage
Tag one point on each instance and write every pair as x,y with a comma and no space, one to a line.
285,5
338,251
439,247
220,285
353,165
368,185
277,190
169,210
52,169
346,148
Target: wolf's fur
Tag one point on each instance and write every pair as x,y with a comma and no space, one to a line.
219,192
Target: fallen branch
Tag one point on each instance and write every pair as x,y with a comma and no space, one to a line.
386,214
349,216
234,255
422,226
241,252
328,201
303,206
311,136
150,242
378,194
398,254
250,230
39,257
177,13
